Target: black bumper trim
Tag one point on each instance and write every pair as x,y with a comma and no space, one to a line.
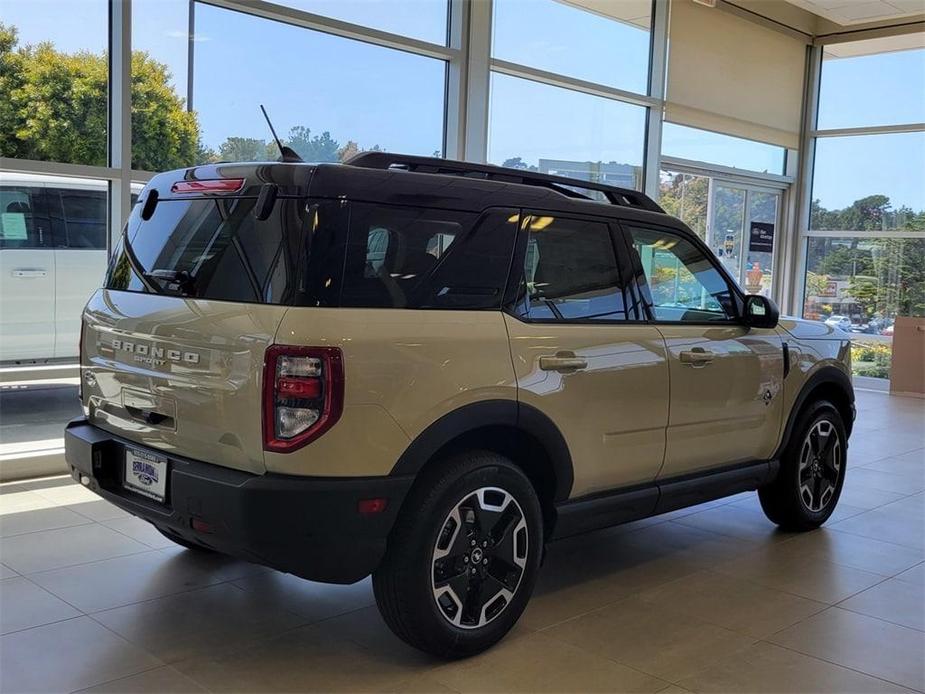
307,526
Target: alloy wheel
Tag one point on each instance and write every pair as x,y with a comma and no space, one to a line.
820,465
479,557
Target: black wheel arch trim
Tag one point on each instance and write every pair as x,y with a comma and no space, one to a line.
492,413
826,375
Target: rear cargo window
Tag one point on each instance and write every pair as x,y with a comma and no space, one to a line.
405,257
213,249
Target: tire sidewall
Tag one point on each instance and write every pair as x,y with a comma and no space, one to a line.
820,411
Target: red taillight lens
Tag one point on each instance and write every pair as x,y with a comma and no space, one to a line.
303,395
219,185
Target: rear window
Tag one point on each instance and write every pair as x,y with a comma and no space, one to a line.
325,253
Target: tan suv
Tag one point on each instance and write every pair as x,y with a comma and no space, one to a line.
426,370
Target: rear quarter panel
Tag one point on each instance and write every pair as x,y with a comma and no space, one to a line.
403,369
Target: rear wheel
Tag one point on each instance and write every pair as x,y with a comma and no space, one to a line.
812,471
463,556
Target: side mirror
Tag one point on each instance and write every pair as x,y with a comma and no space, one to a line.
760,312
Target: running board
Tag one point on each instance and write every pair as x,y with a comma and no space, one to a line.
577,516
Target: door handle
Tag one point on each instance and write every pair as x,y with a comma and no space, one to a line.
697,357
28,272
563,362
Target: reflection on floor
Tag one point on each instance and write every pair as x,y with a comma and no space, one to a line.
709,599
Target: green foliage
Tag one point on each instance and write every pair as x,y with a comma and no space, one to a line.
312,148
53,107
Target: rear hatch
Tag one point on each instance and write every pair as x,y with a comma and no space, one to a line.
173,345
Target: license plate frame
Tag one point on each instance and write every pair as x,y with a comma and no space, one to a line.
146,474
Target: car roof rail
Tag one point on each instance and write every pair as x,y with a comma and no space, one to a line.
562,184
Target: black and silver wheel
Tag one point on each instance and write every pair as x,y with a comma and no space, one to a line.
479,557
463,556
812,471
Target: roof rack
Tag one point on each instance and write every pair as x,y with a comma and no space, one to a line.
562,184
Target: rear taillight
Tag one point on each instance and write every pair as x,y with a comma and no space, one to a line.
303,395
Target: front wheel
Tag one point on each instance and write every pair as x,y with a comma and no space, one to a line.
463,556
812,471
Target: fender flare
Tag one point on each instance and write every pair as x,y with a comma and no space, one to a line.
826,375
488,413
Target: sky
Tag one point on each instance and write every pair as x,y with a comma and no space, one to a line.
393,99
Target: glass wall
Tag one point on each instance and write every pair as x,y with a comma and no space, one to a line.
865,245
683,142
556,107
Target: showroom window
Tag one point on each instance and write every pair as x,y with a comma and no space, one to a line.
54,81
683,142
419,19
865,234
327,105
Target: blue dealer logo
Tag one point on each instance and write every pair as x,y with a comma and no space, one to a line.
145,472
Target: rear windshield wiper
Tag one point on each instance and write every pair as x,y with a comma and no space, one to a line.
184,282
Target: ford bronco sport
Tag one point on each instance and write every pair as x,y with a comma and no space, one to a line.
425,370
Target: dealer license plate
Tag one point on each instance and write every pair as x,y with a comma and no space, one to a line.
145,474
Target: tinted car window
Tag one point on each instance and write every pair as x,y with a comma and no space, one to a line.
214,249
571,272
680,282
23,218
404,257
84,217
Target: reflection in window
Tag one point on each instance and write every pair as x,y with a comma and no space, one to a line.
608,44
702,145
419,19
553,130
571,272
869,183
682,283
321,107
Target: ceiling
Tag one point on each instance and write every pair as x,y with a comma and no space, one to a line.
848,12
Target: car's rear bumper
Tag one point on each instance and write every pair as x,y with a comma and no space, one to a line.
308,526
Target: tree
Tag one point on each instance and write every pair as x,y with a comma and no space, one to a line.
53,107
244,149
310,147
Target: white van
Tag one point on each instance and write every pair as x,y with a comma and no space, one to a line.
52,258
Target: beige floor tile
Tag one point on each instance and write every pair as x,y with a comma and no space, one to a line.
201,622
539,663
885,525
308,659
34,520
901,483
160,680
65,656
866,498
314,601
99,510
735,521
912,464
893,600
862,643
65,491
766,668
140,530
732,603
421,683
914,575
807,576
24,604
124,580
52,549
867,554
652,639
7,572
16,499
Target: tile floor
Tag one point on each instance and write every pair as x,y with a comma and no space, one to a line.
709,599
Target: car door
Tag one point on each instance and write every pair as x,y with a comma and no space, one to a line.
78,214
27,274
726,379
582,356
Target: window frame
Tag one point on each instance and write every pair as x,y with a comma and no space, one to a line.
642,282
516,275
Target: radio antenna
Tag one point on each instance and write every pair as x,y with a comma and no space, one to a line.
287,154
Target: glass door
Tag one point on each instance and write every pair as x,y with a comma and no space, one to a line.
738,221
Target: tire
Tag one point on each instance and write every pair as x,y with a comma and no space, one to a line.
184,543
812,471
470,525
